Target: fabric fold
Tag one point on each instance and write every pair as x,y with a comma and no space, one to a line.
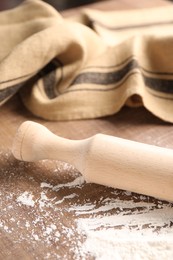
89,65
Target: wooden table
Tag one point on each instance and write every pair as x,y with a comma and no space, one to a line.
49,212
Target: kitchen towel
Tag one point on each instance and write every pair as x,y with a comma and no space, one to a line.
88,65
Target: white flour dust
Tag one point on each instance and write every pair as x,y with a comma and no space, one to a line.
26,199
121,225
115,236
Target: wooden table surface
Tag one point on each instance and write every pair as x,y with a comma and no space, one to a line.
43,204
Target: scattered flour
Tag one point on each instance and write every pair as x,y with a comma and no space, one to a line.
107,245
107,228
79,181
26,198
135,232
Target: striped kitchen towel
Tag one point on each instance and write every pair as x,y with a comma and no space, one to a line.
89,65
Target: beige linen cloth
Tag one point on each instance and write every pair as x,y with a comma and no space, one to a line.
87,66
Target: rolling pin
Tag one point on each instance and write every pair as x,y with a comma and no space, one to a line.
102,159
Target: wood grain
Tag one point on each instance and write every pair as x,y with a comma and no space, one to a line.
24,230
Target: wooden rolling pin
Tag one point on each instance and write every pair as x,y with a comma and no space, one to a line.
102,159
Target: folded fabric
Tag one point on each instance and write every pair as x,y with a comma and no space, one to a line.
89,65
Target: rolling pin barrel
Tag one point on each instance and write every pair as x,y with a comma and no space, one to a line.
102,159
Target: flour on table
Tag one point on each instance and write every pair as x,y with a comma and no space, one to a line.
104,228
26,198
